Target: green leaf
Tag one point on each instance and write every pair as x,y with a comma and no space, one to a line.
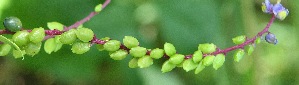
169,49
55,25
157,53
7,41
112,45
119,55
98,8
176,59
218,61
130,42
197,56
208,60
239,39
199,68
50,45
133,63
239,55
37,35
207,48
189,65
167,66
138,51
145,61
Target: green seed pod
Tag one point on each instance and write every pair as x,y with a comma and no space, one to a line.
169,49
21,38
208,60
250,49
4,49
197,56
145,61
199,68
130,42
37,35
119,55
12,24
239,39
85,34
80,47
50,45
133,63
98,8
189,65
100,47
167,66
68,37
18,53
239,55
157,53
55,25
33,48
218,61
112,45
207,48
176,59
138,51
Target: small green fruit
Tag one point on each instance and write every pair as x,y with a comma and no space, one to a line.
21,38
189,65
138,51
133,63
167,66
119,55
85,34
55,25
207,48
169,49
199,68
112,45
218,61
239,39
250,49
239,55
4,49
130,42
197,56
18,53
33,48
98,8
37,35
157,53
68,37
80,47
208,60
50,45
177,59
145,61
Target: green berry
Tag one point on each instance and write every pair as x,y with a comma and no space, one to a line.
239,39
189,65
55,25
4,49
176,59
21,38
112,45
68,37
80,47
157,53
37,35
167,66
33,48
169,49
199,68
197,56
133,63
85,34
208,60
98,8
12,24
58,43
145,61
207,48
130,42
239,55
50,45
218,61
138,51
258,40
100,47
119,55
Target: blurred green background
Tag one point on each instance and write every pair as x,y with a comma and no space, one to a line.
185,23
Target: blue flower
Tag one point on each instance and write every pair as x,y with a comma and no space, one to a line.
280,12
267,7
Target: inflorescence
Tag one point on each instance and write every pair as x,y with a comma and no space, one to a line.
29,42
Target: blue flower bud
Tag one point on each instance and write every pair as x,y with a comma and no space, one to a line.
270,38
280,12
267,7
